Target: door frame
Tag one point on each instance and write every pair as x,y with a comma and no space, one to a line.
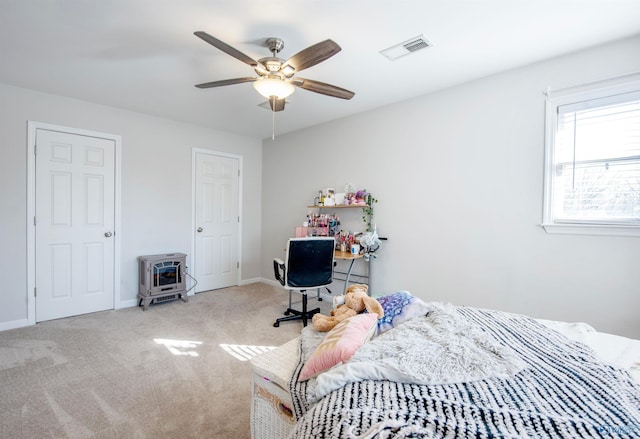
194,152
32,126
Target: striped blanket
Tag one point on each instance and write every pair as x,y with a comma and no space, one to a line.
563,391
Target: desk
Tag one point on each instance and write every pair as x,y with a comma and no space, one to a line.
347,256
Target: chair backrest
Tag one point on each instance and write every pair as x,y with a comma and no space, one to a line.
309,262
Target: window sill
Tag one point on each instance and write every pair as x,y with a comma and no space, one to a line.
592,229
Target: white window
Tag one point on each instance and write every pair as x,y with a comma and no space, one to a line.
592,160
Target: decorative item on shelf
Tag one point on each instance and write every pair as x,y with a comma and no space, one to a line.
349,188
349,193
361,197
329,195
326,197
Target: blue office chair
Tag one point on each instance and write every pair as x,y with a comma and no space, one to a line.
309,266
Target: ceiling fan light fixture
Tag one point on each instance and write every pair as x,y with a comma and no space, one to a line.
269,87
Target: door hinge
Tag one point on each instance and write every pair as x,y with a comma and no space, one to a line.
34,220
238,264
238,218
35,148
238,172
35,292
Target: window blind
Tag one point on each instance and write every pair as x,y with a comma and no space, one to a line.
597,160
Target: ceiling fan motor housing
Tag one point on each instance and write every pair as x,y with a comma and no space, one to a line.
272,64
275,45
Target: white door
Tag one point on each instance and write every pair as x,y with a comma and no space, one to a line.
74,217
216,221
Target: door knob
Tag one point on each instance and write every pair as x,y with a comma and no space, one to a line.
199,229
108,234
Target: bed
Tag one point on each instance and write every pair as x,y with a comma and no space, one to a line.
432,370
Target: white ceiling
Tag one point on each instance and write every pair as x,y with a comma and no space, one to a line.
142,55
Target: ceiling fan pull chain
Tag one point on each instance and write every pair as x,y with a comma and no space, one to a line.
273,119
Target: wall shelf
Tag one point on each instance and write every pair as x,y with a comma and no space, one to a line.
339,206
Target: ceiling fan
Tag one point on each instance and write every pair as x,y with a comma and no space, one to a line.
276,78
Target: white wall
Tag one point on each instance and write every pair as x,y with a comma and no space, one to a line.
459,178
156,186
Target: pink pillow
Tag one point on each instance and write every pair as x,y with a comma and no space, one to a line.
340,344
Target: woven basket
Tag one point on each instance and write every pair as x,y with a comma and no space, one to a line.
271,405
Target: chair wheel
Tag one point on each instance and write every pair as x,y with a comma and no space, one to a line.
286,313
276,324
320,299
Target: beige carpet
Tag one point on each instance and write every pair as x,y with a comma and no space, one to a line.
177,370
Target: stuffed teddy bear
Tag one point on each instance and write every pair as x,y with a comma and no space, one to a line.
355,301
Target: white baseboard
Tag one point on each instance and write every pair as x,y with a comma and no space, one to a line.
250,281
127,303
14,324
272,282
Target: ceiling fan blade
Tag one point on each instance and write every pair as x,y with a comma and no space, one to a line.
322,88
276,104
313,55
226,48
225,82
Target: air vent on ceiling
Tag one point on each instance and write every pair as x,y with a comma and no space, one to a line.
407,47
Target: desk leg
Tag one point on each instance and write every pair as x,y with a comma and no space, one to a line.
346,280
